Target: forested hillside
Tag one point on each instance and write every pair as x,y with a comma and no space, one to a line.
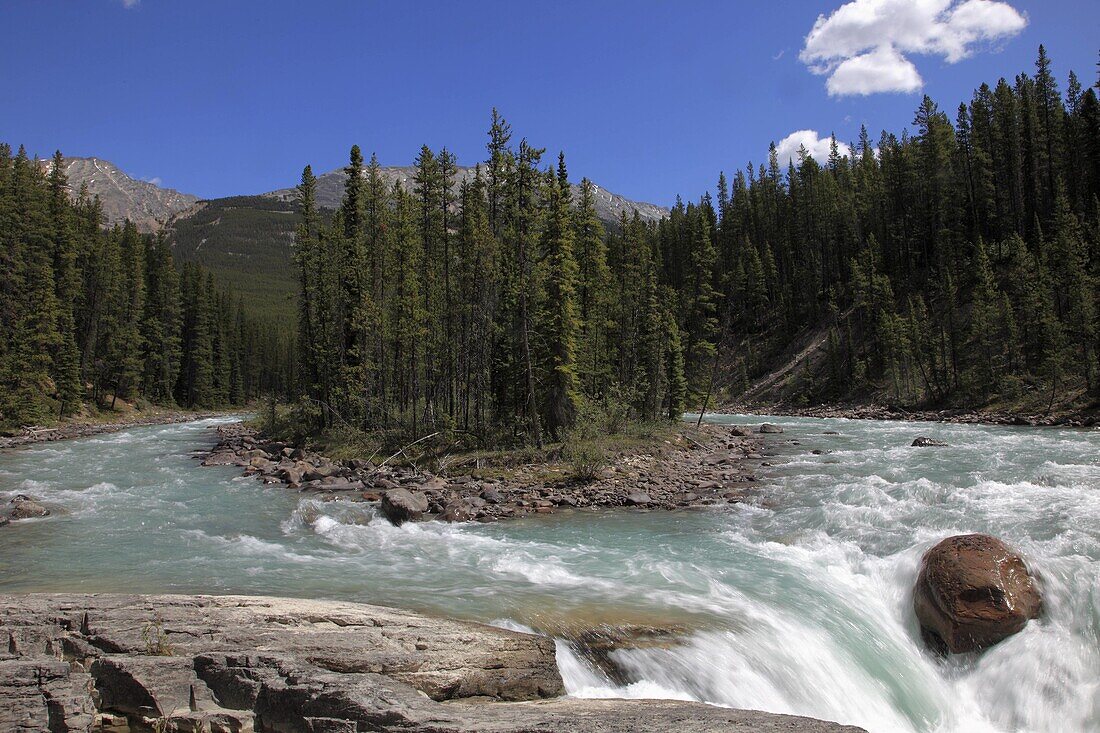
248,243
91,315
955,265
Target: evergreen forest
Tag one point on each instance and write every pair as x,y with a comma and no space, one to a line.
955,264
91,315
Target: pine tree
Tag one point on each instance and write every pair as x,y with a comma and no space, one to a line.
983,319
559,326
66,359
406,315
195,385
307,259
1074,292
594,295
124,343
35,338
701,321
160,323
677,378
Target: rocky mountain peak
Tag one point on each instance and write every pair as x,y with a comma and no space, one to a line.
145,203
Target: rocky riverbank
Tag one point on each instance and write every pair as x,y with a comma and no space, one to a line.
78,428
885,412
690,468
236,664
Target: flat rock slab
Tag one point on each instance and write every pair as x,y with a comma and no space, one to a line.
128,663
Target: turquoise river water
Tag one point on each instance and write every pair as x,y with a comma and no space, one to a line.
798,603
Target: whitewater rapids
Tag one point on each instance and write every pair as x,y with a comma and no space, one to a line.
800,603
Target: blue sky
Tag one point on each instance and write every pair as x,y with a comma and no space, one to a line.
647,98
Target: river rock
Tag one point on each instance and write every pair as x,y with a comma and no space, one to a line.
241,663
770,428
383,483
401,505
926,442
740,431
22,506
638,498
316,473
973,591
263,465
222,458
290,474
461,510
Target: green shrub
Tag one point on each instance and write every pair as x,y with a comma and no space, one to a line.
586,458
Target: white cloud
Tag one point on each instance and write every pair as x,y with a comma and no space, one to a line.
862,46
155,180
817,146
130,3
881,70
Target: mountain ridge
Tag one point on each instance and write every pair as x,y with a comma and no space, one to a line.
609,205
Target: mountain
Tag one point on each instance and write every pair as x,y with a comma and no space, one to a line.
609,206
146,204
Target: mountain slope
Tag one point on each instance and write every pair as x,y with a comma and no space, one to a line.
146,204
248,243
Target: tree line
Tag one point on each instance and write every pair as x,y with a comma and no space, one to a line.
91,315
956,264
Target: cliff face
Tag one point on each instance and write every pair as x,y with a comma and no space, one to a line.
116,663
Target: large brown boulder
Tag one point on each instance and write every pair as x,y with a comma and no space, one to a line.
401,505
973,591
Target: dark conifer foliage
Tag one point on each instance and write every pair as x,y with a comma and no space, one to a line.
90,315
954,264
494,313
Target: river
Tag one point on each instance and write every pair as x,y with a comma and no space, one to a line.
800,603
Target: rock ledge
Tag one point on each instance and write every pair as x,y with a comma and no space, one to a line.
235,664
